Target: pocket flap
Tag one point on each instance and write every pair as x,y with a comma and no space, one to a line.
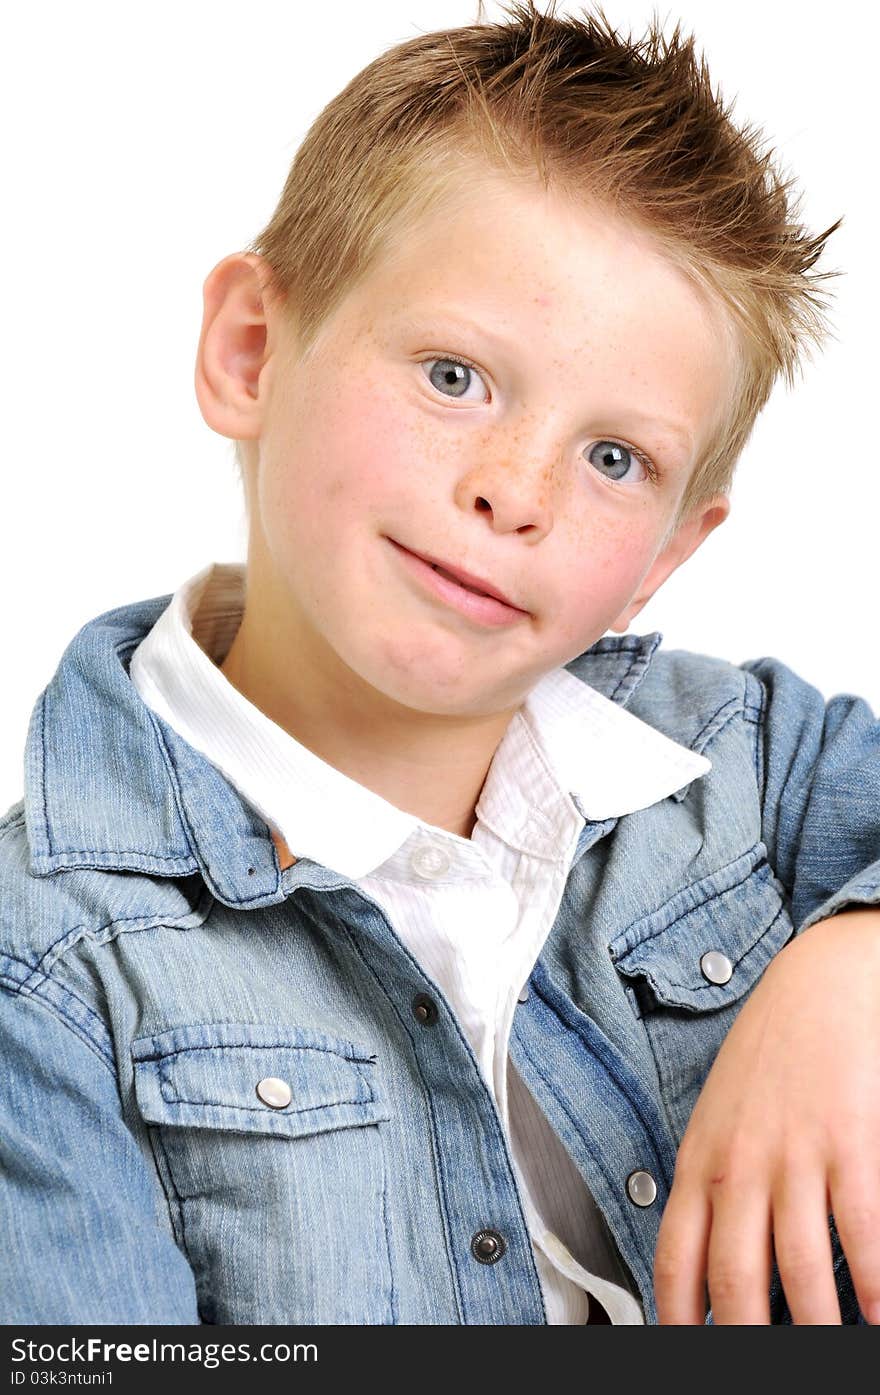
205,1075
740,911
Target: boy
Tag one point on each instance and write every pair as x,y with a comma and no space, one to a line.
405,911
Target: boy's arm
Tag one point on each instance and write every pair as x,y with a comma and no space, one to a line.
787,1126
81,1239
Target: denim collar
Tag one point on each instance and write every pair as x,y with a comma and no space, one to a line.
110,785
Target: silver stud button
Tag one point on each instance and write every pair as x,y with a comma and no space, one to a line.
523,994
641,1188
429,862
274,1092
716,967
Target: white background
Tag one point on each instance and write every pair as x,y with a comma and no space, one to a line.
144,143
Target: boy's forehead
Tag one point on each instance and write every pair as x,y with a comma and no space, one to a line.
560,291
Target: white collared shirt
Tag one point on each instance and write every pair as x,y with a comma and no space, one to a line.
474,912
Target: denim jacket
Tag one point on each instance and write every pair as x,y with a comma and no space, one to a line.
158,963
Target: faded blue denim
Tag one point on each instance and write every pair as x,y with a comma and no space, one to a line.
157,964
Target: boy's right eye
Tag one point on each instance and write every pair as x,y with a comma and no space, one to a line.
452,376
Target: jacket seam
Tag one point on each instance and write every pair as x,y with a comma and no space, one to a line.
185,823
99,936
388,1251
26,990
704,901
251,1046
708,987
610,1065
582,1133
758,718
166,1087
441,1181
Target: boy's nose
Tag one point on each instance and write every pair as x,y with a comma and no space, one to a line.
519,498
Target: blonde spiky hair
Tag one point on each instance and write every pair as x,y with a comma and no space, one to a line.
631,124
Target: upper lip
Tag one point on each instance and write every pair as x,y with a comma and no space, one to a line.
461,575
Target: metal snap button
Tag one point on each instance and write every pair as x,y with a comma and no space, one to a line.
641,1188
430,862
274,1092
715,966
523,994
488,1246
424,1008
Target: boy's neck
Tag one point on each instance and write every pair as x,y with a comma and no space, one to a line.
431,766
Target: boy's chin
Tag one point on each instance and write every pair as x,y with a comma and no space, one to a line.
438,691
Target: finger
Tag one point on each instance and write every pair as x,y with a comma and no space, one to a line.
680,1257
802,1241
856,1206
740,1259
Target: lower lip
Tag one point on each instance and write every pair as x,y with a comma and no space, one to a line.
484,609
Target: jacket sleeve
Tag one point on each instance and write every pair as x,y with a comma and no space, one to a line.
82,1242
819,774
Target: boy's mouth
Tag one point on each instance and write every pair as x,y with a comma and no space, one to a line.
462,578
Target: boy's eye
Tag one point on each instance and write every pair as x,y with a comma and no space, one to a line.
452,376
617,459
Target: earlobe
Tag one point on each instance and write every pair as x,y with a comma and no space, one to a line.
232,350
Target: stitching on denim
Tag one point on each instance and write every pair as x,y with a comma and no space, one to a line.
158,1146
385,1226
365,1085
707,987
29,989
610,1066
752,681
41,719
122,852
711,896
174,781
440,1175
255,1109
252,1046
442,1178
169,1095
155,920
735,705
584,1134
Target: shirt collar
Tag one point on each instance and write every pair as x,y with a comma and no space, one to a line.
111,785
568,738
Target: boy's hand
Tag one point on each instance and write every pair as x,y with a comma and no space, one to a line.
785,1130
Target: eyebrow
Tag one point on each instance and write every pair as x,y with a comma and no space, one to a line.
453,318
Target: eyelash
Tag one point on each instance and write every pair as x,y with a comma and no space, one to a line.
651,469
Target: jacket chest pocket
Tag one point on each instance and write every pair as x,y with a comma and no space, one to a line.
269,1146
690,966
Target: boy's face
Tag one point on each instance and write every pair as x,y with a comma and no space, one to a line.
588,348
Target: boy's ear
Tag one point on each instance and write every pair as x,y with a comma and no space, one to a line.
684,541
234,346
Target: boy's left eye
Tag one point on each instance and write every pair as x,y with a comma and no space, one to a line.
452,376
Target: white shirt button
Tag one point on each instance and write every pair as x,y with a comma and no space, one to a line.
430,862
274,1092
716,967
